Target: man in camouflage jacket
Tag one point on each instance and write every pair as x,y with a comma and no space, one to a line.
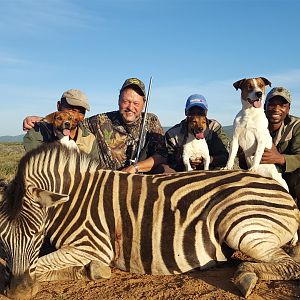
285,131
214,134
118,133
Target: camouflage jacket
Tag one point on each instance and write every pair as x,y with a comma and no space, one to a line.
215,137
43,133
287,142
118,142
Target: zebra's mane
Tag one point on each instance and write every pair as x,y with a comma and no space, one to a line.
13,195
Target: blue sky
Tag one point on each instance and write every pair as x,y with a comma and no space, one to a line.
199,46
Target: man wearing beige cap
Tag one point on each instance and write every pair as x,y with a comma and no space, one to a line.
118,133
285,131
42,132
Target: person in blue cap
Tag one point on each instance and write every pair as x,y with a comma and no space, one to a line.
214,134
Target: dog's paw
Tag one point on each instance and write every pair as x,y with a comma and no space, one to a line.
253,169
227,168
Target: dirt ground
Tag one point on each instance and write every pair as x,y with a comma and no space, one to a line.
214,283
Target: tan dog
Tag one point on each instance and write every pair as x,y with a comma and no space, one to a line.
250,128
65,126
196,147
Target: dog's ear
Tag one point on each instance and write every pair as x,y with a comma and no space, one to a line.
78,116
266,81
238,84
49,118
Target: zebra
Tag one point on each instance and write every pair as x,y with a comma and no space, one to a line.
156,224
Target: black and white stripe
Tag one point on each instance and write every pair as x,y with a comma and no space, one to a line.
158,224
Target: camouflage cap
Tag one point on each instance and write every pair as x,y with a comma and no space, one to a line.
76,98
136,82
279,91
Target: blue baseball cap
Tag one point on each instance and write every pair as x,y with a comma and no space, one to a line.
196,100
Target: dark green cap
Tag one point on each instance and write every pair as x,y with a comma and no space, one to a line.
135,82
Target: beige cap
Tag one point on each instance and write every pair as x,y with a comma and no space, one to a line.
279,91
76,98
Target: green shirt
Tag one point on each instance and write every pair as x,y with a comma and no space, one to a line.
287,142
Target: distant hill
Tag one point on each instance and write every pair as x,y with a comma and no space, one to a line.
228,130
11,139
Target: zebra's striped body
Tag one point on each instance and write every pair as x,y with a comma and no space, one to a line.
158,224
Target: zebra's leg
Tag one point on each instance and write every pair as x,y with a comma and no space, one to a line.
70,263
68,274
97,270
278,266
93,271
294,252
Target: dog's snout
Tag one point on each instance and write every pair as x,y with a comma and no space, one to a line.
198,129
67,124
258,94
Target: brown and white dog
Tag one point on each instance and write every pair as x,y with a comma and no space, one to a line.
250,128
196,146
65,126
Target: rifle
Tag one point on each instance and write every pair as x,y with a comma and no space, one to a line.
143,132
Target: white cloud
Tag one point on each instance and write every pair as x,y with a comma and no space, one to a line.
32,16
10,59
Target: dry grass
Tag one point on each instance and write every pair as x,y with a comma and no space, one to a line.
10,154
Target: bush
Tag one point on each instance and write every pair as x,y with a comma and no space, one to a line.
10,154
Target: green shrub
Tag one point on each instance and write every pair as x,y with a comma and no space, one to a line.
10,154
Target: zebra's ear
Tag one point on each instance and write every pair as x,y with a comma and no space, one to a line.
46,198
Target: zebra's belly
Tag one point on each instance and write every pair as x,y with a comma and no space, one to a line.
158,264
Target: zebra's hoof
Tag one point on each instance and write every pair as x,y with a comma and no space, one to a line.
295,252
98,270
245,281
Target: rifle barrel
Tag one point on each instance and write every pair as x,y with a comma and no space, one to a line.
142,132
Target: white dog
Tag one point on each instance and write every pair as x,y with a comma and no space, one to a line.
250,129
196,146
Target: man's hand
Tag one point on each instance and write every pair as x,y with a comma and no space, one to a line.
130,169
197,163
272,156
29,122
